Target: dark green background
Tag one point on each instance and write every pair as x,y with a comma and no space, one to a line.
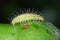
49,8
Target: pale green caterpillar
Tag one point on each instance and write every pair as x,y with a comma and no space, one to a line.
26,17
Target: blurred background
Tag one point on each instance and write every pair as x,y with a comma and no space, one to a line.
50,9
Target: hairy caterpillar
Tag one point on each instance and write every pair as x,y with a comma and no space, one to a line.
28,15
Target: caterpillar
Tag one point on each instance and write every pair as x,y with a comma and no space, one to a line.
26,17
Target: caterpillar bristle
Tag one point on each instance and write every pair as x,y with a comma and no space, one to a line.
22,10
36,11
32,10
29,10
